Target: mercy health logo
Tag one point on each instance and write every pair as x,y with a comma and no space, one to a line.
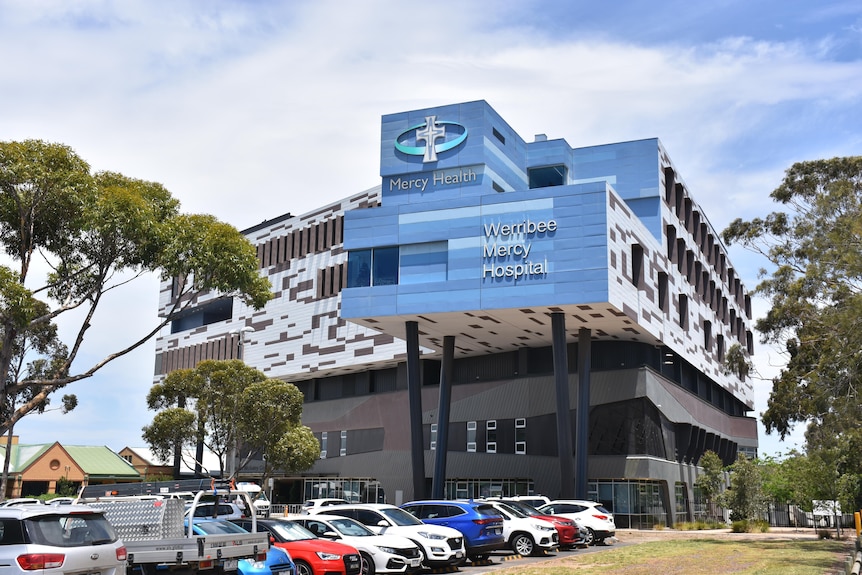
429,133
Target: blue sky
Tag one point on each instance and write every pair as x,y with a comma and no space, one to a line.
250,109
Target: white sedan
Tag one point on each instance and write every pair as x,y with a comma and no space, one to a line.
380,553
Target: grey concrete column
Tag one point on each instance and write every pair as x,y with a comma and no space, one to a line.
414,393
564,418
582,425
438,485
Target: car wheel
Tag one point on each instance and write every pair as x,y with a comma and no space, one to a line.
591,537
523,545
367,564
303,568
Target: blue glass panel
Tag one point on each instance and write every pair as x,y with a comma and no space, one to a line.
359,268
385,266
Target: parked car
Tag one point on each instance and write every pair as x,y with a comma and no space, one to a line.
63,501
217,511
534,500
598,521
311,554
56,540
479,522
571,534
381,553
21,501
441,546
315,503
277,562
526,535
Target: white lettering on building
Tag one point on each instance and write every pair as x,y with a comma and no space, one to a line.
507,249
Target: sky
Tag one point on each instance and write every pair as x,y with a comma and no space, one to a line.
249,109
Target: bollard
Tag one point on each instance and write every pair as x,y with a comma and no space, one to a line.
858,519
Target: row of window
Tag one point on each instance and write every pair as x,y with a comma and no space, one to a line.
736,324
490,436
299,243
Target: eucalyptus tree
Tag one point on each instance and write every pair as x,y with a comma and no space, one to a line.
235,412
813,245
70,237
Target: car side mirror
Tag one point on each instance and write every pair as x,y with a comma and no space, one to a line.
382,523
330,535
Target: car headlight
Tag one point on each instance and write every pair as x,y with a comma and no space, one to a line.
543,527
328,556
432,536
390,550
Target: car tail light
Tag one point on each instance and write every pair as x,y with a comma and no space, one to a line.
37,561
260,556
122,555
487,521
601,517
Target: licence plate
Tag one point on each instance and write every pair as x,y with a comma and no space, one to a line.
230,564
459,554
415,563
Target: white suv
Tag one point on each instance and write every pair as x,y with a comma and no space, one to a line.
441,546
53,540
598,520
526,535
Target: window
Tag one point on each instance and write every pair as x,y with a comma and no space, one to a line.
491,436
683,310
375,267
343,451
323,445
707,335
521,436
385,266
471,437
359,268
637,265
547,176
433,436
662,291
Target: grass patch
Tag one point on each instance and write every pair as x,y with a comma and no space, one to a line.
702,557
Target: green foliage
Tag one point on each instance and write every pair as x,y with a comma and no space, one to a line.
65,487
711,480
224,404
814,284
745,496
93,233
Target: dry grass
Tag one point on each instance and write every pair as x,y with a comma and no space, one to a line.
704,556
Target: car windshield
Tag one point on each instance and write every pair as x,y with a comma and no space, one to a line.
217,527
506,508
351,528
75,530
400,517
292,531
523,508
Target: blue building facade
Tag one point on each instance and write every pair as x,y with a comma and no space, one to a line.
558,318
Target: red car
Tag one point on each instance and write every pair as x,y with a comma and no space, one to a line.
311,554
567,529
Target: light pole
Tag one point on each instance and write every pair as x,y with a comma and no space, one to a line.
241,356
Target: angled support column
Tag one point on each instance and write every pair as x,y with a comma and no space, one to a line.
564,419
438,484
414,394
582,427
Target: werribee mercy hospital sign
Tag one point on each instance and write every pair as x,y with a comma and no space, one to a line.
506,248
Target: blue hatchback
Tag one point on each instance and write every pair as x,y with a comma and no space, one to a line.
479,522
